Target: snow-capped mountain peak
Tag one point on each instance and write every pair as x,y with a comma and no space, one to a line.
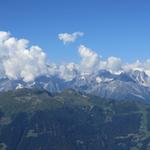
126,85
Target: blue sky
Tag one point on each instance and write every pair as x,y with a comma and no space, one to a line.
118,28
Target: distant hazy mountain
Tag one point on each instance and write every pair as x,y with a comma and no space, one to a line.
38,120
124,86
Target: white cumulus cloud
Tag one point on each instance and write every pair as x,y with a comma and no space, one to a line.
69,38
18,60
89,59
114,64
68,71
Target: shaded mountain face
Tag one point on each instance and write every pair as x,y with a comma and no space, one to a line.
37,120
124,86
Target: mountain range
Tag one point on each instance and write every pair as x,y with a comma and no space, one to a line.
99,111
129,85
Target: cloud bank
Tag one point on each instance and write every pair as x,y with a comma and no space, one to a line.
18,60
91,61
69,38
